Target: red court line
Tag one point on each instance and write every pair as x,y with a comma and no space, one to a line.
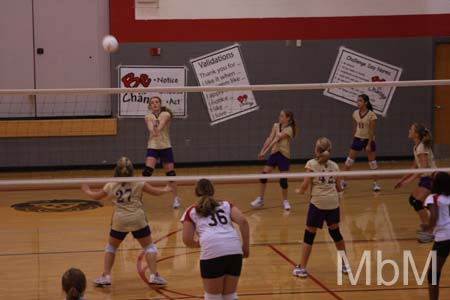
176,255
316,281
166,236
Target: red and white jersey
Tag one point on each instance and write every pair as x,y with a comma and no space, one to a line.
216,233
442,229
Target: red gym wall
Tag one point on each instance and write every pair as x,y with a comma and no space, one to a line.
127,29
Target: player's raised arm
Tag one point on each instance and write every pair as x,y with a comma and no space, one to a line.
149,189
95,195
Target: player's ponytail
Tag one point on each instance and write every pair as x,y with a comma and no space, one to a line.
323,149
124,168
163,108
424,134
74,284
366,100
207,205
291,122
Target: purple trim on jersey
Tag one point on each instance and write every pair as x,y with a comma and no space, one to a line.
425,182
317,216
278,159
137,234
164,155
359,144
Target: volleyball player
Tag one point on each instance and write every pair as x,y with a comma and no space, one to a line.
128,216
438,205
278,143
423,158
159,146
73,284
221,249
323,206
363,137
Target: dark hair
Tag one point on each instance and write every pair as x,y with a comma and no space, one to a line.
441,184
73,284
366,100
289,114
206,206
424,134
124,168
163,108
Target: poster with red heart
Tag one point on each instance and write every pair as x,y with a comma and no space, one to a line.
219,68
135,105
351,66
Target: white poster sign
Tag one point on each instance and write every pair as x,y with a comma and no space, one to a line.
351,66
224,67
135,105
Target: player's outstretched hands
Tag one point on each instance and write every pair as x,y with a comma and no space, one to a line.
85,188
167,188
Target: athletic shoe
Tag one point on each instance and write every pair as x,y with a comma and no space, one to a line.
102,281
345,269
300,272
286,205
259,202
176,203
157,280
420,231
376,187
425,237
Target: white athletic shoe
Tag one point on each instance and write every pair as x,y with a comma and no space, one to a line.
345,269
104,280
286,205
157,280
300,272
259,202
376,187
176,203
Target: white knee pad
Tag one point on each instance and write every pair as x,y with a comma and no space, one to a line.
110,249
349,162
151,249
232,296
213,297
373,165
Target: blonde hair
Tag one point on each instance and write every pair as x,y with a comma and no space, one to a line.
124,167
289,114
323,145
73,283
206,206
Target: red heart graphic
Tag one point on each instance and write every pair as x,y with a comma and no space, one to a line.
377,79
242,98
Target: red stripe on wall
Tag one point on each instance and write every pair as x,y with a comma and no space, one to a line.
127,29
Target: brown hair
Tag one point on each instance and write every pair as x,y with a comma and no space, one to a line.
424,134
124,168
73,283
323,144
289,114
163,108
206,206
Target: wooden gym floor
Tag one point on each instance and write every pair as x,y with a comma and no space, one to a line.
37,248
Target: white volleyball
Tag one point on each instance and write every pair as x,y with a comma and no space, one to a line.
110,44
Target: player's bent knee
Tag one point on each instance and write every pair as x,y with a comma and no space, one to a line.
151,249
148,171
171,173
213,296
416,204
335,234
231,296
284,183
349,162
373,165
263,180
308,238
110,249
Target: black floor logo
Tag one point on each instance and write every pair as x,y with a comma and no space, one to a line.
60,205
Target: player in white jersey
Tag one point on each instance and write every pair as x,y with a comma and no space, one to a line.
278,143
423,158
438,205
323,206
363,137
221,249
159,147
128,216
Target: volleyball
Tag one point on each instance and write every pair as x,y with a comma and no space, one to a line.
110,44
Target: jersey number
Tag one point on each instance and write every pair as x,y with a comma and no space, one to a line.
324,180
218,216
120,194
361,125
